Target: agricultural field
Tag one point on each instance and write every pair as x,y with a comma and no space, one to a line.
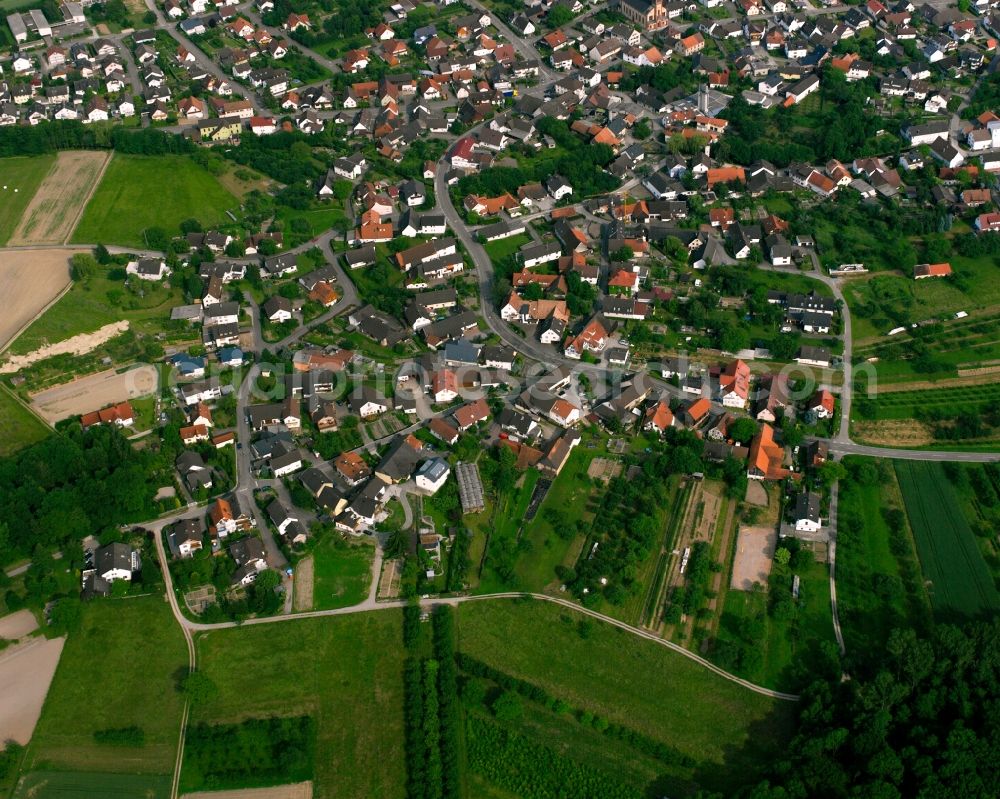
606,671
101,684
960,415
879,584
19,427
29,281
59,201
978,487
20,179
121,208
334,670
91,785
959,581
341,573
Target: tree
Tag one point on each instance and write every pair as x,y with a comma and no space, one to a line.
782,556
198,688
508,708
558,16
623,253
742,429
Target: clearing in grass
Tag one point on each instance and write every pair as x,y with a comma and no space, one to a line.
628,680
20,179
344,672
101,684
959,581
140,192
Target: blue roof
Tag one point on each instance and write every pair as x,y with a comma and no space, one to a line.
230,354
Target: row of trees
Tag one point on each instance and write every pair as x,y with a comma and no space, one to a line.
48,137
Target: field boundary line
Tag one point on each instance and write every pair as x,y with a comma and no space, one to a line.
90,196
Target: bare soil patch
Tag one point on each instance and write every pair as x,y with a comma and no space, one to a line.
604,469
25,674
30,280
754,553
75,345
17,625
95,391
54,211
756,493
300,790
303,585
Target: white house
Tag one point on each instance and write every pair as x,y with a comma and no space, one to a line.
148,269
432,475
807,513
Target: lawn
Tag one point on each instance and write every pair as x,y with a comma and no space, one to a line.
140,192
341,573
502,248
89,785
345,672
102,683
99,301
19,427
631,681
959,581
19,180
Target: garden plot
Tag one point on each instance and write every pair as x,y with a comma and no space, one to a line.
29,281
54,211
604,469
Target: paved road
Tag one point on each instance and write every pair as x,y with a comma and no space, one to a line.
522,46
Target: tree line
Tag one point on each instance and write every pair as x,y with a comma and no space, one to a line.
49,137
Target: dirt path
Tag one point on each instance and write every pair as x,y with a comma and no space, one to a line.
300,790
30,282
76,345
54,211
969,377
17,625
303,589
26,671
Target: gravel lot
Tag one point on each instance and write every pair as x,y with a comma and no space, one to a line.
94,392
